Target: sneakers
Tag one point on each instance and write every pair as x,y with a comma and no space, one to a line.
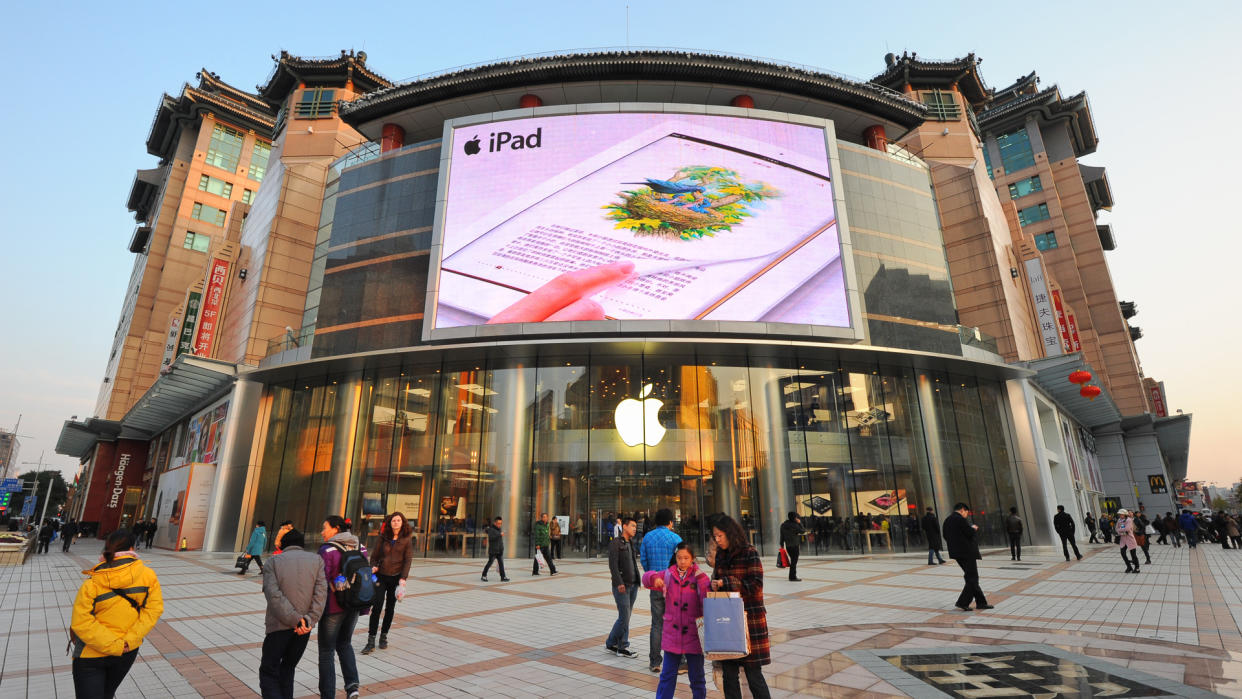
483,578
625,653
352,693
504,580
656,668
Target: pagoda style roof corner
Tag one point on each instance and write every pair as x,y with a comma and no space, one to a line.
234,106
291,71
1048,106
909,69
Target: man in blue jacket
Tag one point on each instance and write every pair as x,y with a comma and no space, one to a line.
1190,526
656,553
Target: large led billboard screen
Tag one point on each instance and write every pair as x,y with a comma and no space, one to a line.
641,215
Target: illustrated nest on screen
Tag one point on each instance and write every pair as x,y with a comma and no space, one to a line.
697,201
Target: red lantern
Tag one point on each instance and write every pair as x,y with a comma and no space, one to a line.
1089,392
1080,377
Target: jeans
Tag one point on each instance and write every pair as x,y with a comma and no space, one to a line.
281,652
754,678
500,565
1067,540
98,678
793,562
970,571
547,556
388,586
1015,546
657,629
668,676
619,637
336,635
1192,537
934,553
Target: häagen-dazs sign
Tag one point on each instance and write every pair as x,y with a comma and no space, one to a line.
118,487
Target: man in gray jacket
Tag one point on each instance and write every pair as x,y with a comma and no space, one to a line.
296,590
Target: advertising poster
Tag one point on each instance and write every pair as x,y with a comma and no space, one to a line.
181,505
639,216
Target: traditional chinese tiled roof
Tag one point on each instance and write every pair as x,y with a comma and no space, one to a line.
642,64
909,69
231,105
320,72
1026,85
1050,106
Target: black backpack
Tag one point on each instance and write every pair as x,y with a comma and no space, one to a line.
358,591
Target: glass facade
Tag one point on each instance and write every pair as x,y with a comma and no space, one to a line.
858,447
1015,149
224,151
1031,214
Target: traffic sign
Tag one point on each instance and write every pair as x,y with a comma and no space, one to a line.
28,507
11,485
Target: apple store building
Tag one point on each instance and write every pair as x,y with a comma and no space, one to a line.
603,284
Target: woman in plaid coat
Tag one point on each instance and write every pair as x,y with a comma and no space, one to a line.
738,569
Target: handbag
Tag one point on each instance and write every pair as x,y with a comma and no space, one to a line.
782,558
1140,539
725,632
242,562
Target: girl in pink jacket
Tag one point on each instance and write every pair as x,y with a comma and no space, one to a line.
684,587
1125,529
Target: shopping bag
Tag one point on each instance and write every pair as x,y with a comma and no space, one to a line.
540,559
782,558
241,562
725,635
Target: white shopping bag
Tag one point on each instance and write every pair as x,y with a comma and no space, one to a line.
539,558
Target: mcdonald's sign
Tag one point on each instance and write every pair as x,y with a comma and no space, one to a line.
1110,504
1158,485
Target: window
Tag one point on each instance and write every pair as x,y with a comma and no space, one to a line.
258,160
1046,241
225,149
215,185
1021,188
1031,214
210,214
987,160
942,106
1015,150
196,242
316,103
247,196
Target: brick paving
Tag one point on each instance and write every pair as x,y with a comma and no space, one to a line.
543,637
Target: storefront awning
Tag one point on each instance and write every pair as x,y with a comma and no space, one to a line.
78,438
1173,434
1052,375
186,385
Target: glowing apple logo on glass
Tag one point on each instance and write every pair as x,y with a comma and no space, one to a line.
638,421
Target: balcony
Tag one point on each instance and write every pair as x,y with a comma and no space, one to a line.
1129,309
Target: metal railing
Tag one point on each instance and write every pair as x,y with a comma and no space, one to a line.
290,340
974,337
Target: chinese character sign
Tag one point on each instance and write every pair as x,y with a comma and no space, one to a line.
185,343
1062,322
1045,316
213,299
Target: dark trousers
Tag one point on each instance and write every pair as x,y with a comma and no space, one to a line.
1015,545
253,559
1192,537
500,564
336,635
1093,539
281,652
556,549
547,556
66,541
387,604
43,544
656,636
754,678
1067,540
972,591
1146,554
1237,541
150,538
98,678
793,562
668,676
931,552
1132,560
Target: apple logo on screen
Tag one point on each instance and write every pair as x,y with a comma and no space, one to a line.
472,146
639,421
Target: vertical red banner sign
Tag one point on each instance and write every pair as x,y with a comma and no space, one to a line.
1075,345
1157,401
213,299
1061,323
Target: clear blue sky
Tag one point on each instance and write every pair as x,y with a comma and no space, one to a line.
1161,78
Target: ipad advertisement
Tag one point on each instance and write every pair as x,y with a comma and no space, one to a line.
626,216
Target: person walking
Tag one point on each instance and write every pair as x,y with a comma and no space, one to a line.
254,548
297,592
45,536
67,534
739,569
791,537
1013,527
336,626
152,527
1142,535
656,555
931,530
1106,529
1232,531
1063,523
116,607
1190,526
390,562
1222,529
623,568
1090,522
140,532
683,586
1173,528
1126,540
542,535
554,534
579,542
959,535
495,549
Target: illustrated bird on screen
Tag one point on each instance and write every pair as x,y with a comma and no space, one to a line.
667,187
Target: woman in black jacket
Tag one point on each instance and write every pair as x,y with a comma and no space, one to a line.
931,529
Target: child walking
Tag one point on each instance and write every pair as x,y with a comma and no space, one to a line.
684,587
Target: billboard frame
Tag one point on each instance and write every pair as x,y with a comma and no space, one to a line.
854,333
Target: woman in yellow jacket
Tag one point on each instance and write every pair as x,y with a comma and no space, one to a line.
116,607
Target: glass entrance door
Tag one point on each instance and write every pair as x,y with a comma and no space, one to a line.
640,496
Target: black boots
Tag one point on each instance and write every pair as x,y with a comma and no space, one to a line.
383,642
370,646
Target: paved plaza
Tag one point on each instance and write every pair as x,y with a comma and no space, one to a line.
855,626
